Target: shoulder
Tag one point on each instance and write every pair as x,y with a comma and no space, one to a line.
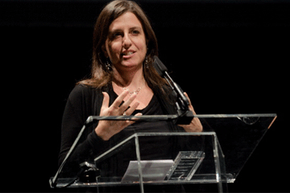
84,97
81,91
85,101
88,95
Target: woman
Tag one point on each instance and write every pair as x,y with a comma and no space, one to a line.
123,82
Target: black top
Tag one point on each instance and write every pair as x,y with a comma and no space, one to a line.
85,101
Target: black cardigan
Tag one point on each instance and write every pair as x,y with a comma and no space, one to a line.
85,101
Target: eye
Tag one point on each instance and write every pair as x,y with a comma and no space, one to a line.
135,32
116,34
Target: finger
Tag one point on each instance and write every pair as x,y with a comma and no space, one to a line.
120,99
190,105
135,119
187,98
139,114
130,111
132,108
127,103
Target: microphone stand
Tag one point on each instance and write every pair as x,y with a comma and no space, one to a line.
185,116
90,120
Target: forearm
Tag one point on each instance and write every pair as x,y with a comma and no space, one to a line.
86,150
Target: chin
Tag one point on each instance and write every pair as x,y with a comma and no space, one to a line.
131,63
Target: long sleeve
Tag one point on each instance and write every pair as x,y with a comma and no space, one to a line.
82,102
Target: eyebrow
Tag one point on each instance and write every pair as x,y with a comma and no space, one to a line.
137,27
118,29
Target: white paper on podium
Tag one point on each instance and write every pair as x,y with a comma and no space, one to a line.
152,170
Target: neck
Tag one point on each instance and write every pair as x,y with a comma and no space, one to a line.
132,79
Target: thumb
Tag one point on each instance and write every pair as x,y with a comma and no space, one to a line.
106,100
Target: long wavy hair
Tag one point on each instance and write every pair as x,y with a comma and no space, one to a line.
100,74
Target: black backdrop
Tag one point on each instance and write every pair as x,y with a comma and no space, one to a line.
231,57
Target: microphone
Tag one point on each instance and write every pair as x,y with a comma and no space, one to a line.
159,66
182,103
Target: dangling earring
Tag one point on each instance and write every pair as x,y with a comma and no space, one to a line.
108,65
146,62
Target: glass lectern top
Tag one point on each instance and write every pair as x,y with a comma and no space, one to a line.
214,155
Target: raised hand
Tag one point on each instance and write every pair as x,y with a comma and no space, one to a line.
107,129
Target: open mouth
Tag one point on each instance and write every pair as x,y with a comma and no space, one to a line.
127,54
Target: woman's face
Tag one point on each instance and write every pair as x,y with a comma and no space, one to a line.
126,42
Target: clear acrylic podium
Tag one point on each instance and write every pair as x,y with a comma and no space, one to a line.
214,156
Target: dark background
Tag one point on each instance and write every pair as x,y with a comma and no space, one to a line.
230,56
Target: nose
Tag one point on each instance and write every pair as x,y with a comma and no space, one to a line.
127,41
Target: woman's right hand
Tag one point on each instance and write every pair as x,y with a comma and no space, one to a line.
107,129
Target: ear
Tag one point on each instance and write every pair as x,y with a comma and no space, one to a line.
147,52
147,43
105,51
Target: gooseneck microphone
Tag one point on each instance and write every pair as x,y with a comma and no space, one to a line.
182,103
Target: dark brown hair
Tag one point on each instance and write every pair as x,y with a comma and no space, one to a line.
100,75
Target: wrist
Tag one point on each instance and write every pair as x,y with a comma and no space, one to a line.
102,133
